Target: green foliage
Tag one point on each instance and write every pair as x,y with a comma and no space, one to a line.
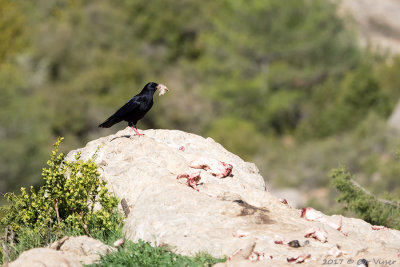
176,30
266,76
364,204
238,139
143,254
360,93
357,95
22,133
389,80
11,29
366,150
29,238
65,201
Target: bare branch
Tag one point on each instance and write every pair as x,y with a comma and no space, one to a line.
5,248
384,201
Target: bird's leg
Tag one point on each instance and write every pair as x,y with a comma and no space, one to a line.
136,131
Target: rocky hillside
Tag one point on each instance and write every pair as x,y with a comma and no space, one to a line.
378,22
220,204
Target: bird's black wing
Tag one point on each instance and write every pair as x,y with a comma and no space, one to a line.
130,107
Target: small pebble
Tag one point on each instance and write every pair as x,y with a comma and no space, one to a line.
120,242
294,244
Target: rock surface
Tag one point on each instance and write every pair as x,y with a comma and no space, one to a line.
68,251
165,211
394,119
378,22
45,257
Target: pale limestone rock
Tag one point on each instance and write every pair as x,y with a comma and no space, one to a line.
86,249
68,251
45,257
394,119
163,211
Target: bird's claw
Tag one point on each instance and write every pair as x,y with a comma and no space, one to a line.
136,132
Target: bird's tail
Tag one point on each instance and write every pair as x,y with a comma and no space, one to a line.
109,122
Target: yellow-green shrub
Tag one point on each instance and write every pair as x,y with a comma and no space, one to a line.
66,200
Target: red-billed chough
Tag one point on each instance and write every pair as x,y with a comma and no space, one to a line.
136,108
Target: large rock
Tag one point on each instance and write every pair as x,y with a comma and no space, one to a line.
45,257
69,251
165,211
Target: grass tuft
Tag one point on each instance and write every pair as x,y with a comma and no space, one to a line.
143,254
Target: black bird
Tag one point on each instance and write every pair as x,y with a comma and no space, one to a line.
136,108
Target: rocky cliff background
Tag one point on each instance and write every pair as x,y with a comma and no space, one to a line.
377,23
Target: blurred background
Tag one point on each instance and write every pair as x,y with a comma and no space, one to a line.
297,86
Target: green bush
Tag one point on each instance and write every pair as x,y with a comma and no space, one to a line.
66,201
235,133
338,106
364,204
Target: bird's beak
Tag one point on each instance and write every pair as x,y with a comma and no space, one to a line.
162,88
